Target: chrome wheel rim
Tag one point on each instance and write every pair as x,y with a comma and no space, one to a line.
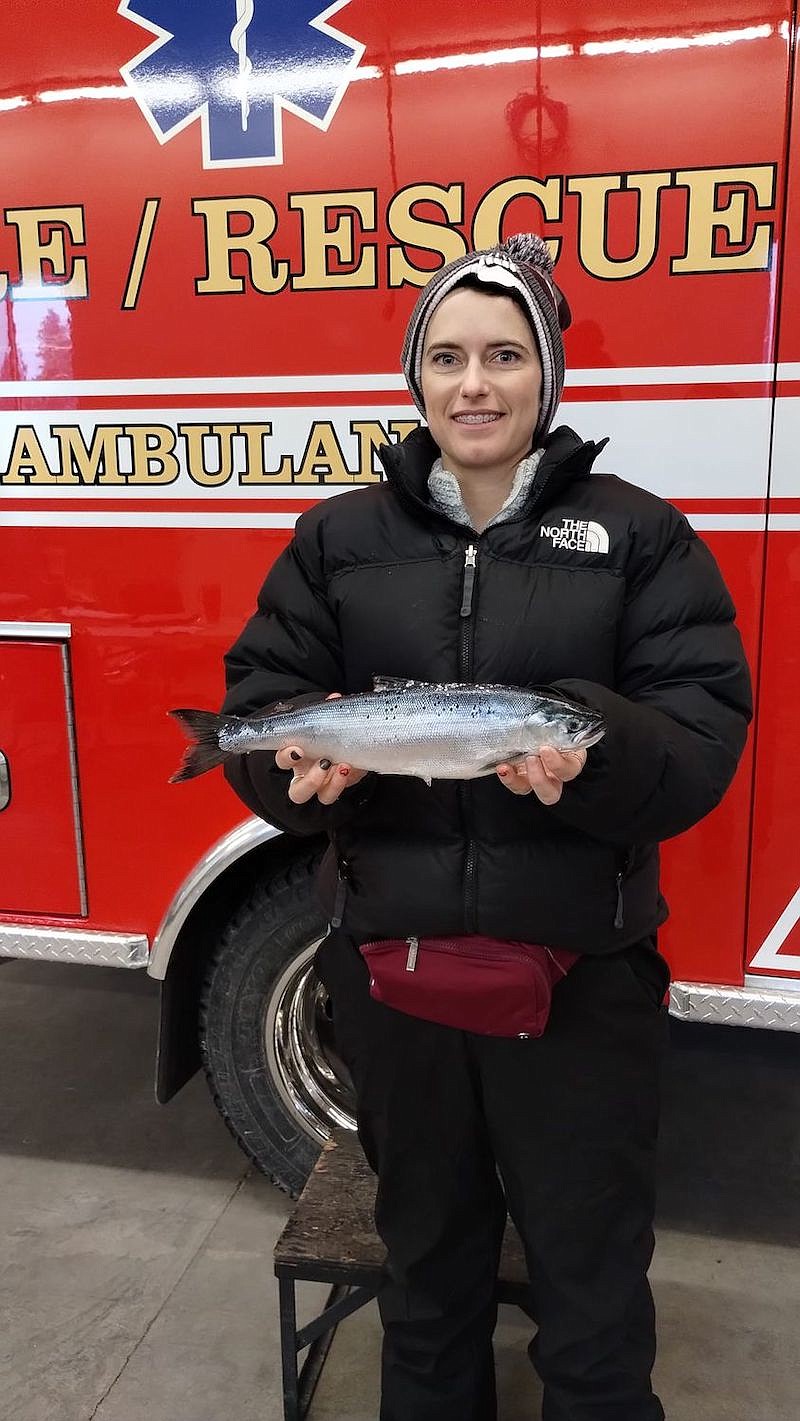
301,1054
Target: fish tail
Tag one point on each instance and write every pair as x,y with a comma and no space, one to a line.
203,728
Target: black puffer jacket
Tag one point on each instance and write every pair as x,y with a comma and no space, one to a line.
374,582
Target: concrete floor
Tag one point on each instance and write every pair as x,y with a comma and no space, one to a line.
135,1247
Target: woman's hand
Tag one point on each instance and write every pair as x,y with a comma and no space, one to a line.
544,774
316,777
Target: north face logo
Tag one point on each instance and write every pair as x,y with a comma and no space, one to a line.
578,534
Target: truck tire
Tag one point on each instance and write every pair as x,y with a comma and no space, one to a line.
265,1032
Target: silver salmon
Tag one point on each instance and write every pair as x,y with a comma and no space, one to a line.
401,728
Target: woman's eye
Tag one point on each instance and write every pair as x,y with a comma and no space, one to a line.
444,357
507,357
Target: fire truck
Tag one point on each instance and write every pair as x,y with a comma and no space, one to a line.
217,217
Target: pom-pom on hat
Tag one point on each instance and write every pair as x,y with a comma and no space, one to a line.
521,268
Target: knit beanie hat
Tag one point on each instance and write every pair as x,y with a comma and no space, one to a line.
521,268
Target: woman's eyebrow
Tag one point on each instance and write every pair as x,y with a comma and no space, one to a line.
490,345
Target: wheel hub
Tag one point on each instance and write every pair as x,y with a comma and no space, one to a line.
301,1053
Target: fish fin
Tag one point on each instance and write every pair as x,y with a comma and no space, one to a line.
203,727
302,699
396,683
514,757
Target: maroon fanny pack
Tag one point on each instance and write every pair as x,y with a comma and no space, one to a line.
482,984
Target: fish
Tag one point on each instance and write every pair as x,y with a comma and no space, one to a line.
400,727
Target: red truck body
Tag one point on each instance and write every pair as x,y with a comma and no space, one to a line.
205,271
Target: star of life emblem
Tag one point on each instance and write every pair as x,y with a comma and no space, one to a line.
238,65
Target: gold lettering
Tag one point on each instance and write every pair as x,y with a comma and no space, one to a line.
318,239
487,224
593,222
221,436
413,231
95,464
266,274
152,445
40,237
323,460
27,463
371,434
708,215
255,471
403,427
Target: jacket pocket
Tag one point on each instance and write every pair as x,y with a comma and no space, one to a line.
649,972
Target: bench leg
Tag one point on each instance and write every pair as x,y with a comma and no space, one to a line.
288,1324
299,1384
318,1349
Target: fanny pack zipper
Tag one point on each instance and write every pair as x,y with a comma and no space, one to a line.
456,949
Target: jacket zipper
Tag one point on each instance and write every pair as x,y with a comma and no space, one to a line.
619,916
470,563
466,647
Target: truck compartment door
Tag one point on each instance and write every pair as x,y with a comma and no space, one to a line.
41,867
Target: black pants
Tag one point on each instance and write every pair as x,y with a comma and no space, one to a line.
560,1130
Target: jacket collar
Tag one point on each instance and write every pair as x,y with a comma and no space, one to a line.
408,464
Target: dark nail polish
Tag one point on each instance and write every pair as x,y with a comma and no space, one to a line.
295,755
324,764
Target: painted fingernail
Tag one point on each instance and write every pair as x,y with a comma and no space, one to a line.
502,773
324,764
344,770
295,755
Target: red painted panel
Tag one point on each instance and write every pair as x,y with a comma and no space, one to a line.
38,852
152,612
773,946
776,825
705,871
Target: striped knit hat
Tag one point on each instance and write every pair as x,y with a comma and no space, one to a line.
521,268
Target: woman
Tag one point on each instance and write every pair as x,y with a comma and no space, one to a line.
493,554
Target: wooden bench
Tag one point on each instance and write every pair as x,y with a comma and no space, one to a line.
330,1238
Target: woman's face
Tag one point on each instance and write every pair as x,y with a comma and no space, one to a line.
481,381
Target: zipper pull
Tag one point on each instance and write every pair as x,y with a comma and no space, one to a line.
621,876
413,949
470,563
618,918
341,895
